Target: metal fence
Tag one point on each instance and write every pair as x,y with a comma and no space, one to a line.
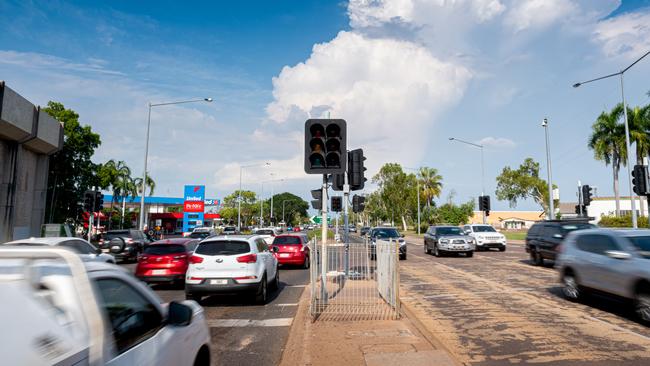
358,281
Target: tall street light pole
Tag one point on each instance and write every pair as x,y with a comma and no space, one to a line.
482,167
146,150
627,129
551,204
239,193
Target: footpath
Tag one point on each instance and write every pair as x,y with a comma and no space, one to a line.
403,342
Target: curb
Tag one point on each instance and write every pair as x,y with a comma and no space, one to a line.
294,351
435,342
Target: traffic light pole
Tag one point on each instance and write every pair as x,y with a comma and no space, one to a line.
324,228
580,198
346,194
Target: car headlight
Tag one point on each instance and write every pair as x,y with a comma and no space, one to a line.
444,241
471,241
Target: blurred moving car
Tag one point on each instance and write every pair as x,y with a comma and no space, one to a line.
65,312
544,237
202,233
232,264
352,229
364,230
486,237
291,249
124,245
165,260
386,233
229,230
615,262
267,233
86,251
444,239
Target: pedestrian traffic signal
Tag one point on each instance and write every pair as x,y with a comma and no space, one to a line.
99,201
358,203
356,170
317,202
89,198
325,146
586,195
640,180
337,203
484,204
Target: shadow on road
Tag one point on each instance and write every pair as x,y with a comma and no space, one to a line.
547,263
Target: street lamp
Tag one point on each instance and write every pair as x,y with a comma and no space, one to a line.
146,150
551,204
627,129
283,221
482,166
418,194
241,167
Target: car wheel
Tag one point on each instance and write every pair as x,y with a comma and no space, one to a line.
536,257
194,297
469,254
276,280
426,249
262,292
571,289
306,264
642,306
435,251
502,249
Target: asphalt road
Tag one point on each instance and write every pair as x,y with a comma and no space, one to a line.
246,334
496,308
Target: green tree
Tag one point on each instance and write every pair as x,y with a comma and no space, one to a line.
397,192
430,184
295,208
71,171
454,215
523,183
249,206
607,140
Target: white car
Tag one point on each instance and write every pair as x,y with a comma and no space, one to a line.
486,237
63,311
268,234
81,247
232,264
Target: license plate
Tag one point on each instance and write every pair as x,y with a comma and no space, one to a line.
106,250
158,272
284,255
218,282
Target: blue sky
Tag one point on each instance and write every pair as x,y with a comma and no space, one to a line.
406,75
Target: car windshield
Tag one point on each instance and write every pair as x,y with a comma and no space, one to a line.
385,233
287,240
483,229
449,231
641,244
199,235
164,249
577,226
229,229
223,247
264,232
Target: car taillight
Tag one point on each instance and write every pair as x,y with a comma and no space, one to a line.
194,259
248,258
143,258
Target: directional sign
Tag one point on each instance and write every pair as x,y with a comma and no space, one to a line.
318,219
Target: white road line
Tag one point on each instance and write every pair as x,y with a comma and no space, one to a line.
618,327
297,286
291,304
239,323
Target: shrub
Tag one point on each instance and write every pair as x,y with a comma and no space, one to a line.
622,221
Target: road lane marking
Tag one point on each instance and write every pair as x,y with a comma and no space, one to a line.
296,286
240,323
290,304
618,327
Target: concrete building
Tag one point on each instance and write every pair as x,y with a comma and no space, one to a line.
27,138
509,220
605,206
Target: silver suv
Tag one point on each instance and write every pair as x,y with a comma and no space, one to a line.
612,261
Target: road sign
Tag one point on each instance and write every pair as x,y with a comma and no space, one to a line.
317,220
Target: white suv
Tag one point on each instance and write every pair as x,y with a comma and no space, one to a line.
232,264
486,237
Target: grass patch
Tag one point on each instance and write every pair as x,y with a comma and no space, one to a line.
515,235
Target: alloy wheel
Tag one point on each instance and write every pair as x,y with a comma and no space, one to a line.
570,289
643,306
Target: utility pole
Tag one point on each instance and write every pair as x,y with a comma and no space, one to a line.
580,198
323,255
548,168
346,194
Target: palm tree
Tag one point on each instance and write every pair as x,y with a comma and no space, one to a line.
431,183
607,140
639,125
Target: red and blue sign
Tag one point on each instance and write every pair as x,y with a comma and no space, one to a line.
193,207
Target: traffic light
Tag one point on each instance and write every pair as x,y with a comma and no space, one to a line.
99,201
581,209
484,203
586,195
325,146
640,180
337,203
356,170
338,180
358,203
317,202
89,198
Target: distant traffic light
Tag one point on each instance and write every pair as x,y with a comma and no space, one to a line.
358,203
581,210
484,204
89,198
640,180
356,170
325,146
99,201
317,202
337,204
586,195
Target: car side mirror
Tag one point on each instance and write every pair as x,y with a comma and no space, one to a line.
558,236
179,314
617,254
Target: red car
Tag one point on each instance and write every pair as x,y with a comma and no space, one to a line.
165,260
292,249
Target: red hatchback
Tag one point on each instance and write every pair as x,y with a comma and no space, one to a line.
292,249
165,260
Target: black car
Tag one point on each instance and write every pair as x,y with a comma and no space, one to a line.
364,230
124,244
544,237
386,233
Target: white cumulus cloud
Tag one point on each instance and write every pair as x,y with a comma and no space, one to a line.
627,34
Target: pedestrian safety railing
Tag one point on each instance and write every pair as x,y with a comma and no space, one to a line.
356,281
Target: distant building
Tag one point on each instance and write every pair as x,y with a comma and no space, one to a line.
509,220
605,206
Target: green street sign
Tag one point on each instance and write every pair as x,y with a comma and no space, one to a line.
317,219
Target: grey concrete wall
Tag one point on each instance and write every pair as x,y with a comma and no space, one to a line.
27,138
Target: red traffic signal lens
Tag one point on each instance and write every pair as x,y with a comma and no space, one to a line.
317,130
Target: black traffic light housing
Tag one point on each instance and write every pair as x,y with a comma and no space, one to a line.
325,146
356,170
581,209
586,195
484,204
99,201
338,180
317,202
89,198
640,180
337,204
358,203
